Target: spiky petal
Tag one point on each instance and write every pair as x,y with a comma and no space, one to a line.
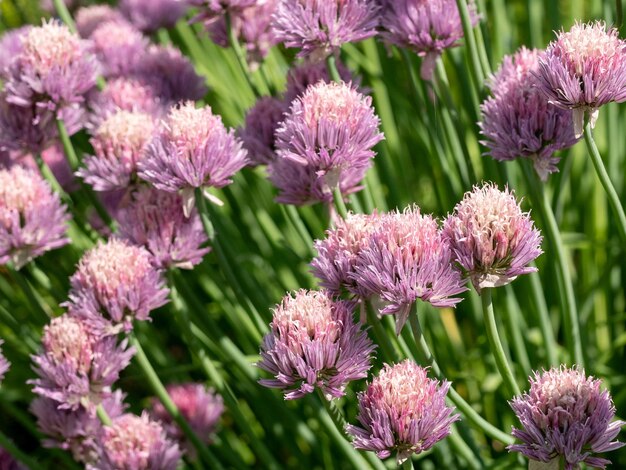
314,343
566,416
402,411
492,239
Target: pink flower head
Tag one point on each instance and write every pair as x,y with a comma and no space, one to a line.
120,143
74,430
75,367
115,283
155,220
517,121
320,27
200,406
330,129
119,47
402,411
427,27
314,342
584,69
303,75
150,15
492,239
193,150
261,123
4,364
32,218
337,255
89,18
136,443
566,416
10,48
406,259
53,69
251,26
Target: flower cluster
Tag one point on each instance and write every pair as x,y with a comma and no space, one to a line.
314,343
402,411
32,218
566,417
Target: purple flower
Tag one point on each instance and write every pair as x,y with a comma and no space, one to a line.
119,46
251,26
302,76
74,430
337,255
492,239
257,135
10,48
115,283
155,220
76,368
125,94
330,130
427,27
137,443
210,10
314,342
120,143
89,18
32,218
517,121
566,416
7,462
150,15
200,406
53,69
405,259
319,27
4,364
402,411
193,150
170,74
584,69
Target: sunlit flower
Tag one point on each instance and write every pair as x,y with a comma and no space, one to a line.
119,47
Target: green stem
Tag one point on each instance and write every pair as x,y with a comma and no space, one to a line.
566,290
463,450
619,12
545,324
465,408
15,451
292,214
168,404
407,464
68,148
65,15
382,338
30,293
240,54
340,205
103,416
331,64
502,363
612,195
470,42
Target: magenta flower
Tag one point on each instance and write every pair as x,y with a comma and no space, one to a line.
115,283
518,122
150,15
492,239
314,342
402,411
4,364
584,69
200,406
155,220
74,430
406,259
120,143
319,28
566,416
119,46
32,218
89,18
76,368
261,123
193,150
427,27
53,69
337,255
137,443
330,129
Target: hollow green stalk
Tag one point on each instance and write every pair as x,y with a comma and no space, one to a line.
65,15
331,64
605,180
491,328
103,416
68,148
31,294
470,42
240,54
340,205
